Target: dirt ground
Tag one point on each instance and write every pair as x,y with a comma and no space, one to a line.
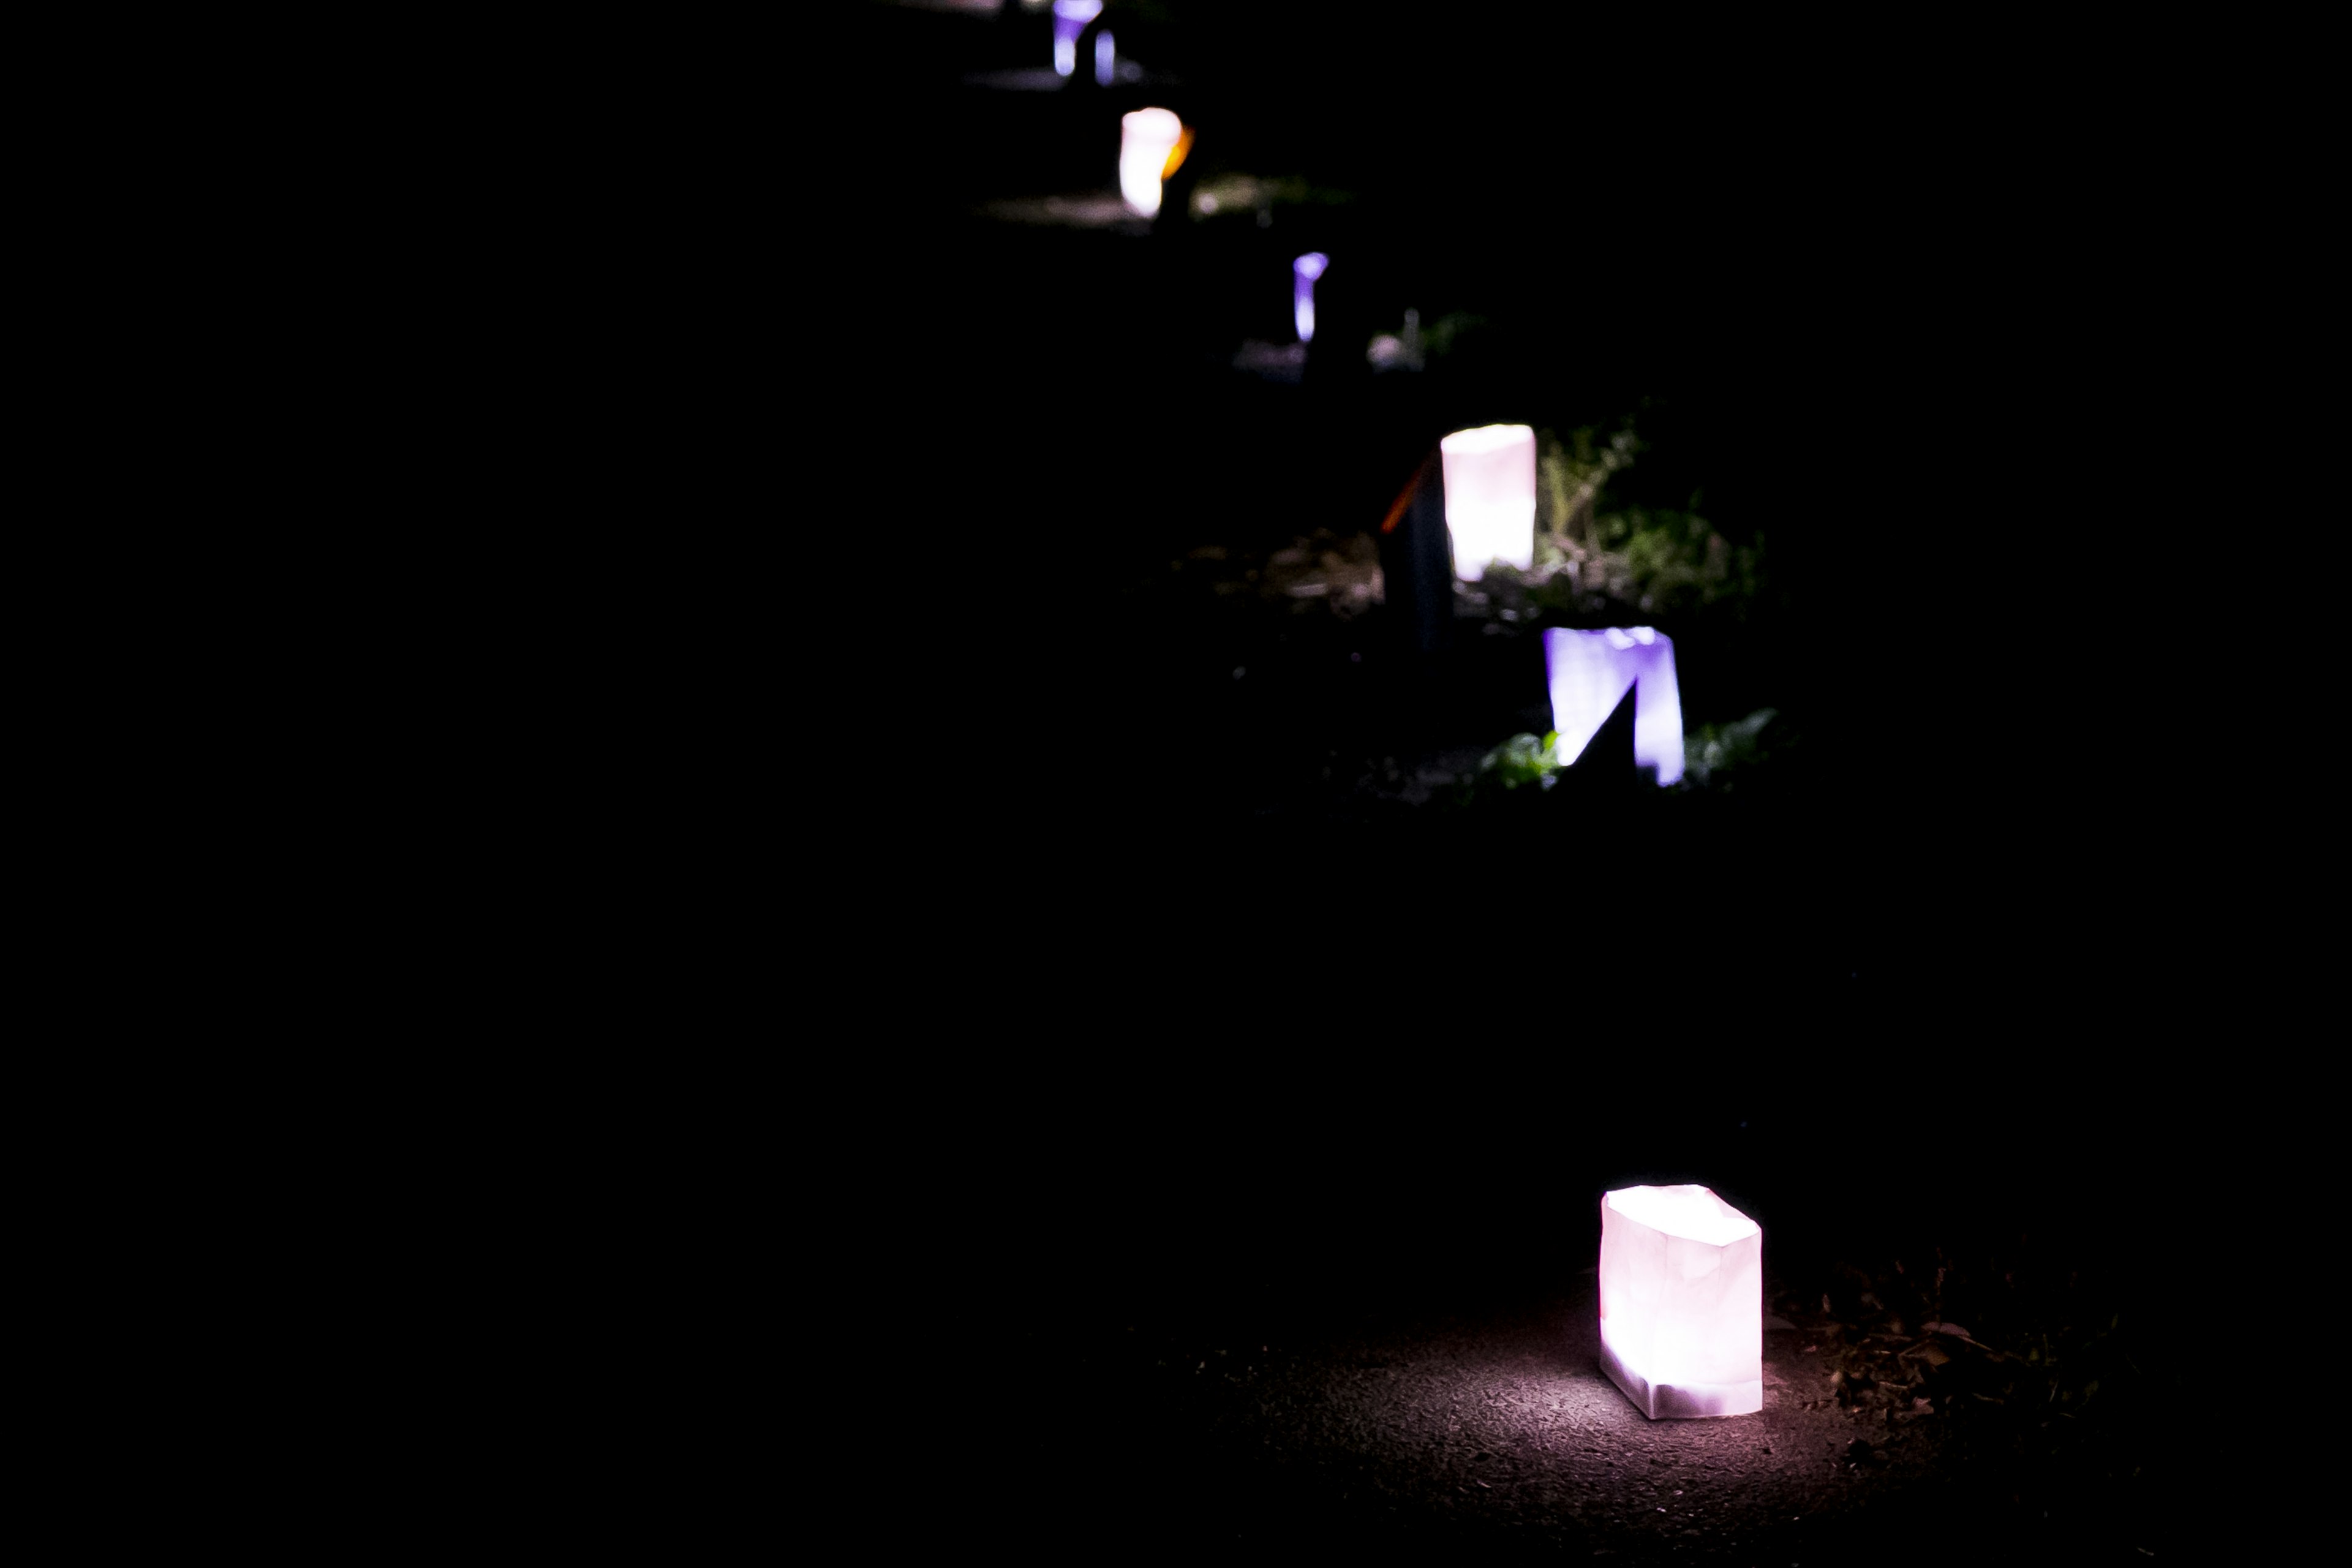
1492,1431
1223,1301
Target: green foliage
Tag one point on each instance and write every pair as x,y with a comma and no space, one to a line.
1714,756
1522,760
1570,476
1591,547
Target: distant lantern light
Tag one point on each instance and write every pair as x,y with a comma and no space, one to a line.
1681,1302
1070,19
1147,143
1490,497
1106,58
1589,672
1303,273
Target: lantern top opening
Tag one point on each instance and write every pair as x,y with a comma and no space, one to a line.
1158,124
1693,1213
1487,438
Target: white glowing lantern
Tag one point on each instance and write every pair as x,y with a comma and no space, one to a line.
1070,19
1147,143
1590,671
1490,497
1681,1302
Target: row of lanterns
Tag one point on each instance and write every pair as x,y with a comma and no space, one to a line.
1681,1271
1490,513
1489,477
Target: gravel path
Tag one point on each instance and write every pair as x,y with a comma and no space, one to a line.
1496,1433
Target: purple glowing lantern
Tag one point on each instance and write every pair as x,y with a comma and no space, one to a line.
1590,672
1681,1302
1106,58
1070,19
1303,273
1490,497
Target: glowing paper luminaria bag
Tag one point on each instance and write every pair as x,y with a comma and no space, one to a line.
1490,497
1149,141
1070,19
1589,672
1303,273
1681,1302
